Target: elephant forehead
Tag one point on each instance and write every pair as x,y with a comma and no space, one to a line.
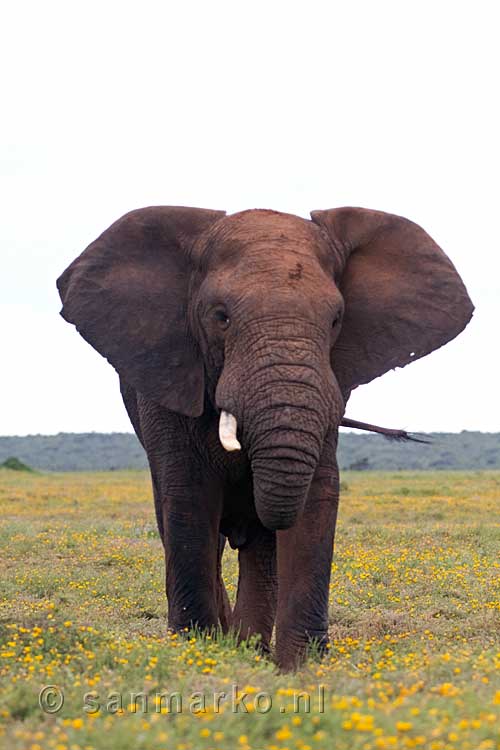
272,283
239,237
262,224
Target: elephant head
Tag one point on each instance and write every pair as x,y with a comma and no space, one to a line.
265,318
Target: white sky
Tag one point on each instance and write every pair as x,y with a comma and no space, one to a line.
110,106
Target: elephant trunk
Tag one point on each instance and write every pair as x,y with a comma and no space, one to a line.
282,473
284,405
284,434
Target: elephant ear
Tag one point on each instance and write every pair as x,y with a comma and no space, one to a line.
127,295
403,297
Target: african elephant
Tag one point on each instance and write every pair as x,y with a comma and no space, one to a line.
238,340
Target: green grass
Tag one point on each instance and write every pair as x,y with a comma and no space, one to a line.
414,612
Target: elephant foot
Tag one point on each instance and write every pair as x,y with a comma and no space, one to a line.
254,635
256,640
182,626
185,630
292,650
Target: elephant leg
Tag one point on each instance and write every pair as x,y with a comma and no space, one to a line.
255,608
304,554
223,606
189,503
129,396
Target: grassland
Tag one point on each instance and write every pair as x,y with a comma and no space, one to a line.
415,625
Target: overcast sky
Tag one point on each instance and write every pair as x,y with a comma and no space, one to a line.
110,106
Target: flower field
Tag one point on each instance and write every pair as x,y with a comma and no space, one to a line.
85,661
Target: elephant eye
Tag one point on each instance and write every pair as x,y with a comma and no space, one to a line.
222,318
337,320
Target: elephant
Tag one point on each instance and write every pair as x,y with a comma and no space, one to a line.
238,339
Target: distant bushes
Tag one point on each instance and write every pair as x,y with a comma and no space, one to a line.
107,452
15,464
464,450
76,452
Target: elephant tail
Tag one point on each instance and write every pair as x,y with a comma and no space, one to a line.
390,434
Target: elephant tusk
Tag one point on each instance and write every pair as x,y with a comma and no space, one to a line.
227,432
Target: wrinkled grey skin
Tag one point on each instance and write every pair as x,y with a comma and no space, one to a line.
272,319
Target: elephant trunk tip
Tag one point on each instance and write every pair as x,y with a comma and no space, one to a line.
272,513
277,524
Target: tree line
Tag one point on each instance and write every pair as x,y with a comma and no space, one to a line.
113,451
